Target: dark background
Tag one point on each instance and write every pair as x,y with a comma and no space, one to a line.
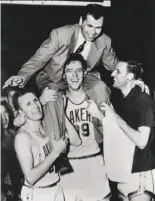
130,24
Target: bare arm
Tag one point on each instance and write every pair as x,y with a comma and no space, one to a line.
139,137
34,173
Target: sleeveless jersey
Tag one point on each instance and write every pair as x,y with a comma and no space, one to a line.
82,120
41,148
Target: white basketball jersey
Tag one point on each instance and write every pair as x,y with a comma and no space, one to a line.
41,148
82,120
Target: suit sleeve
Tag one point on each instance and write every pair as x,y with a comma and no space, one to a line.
48,48
109,58
43,80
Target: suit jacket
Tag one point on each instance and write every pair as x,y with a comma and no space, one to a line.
54,51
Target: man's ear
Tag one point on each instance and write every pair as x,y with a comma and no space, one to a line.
64,76
19,120
130,76
21,112
80,21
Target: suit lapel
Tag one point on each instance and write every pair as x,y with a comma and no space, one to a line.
74,39
95,54
95,49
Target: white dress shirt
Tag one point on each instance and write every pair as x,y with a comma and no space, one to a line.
87,46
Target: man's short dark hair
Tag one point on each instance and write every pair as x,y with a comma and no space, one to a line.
7,90
18,94
95,10
136,68
76,57
5,104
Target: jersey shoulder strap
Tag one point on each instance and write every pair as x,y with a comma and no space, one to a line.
65,102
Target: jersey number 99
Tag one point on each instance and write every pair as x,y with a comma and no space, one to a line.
83,129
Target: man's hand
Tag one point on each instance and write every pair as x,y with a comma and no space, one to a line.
94,110
142,85
14,81
60,145
109,112
48,95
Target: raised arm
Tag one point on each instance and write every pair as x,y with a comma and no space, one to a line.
48,48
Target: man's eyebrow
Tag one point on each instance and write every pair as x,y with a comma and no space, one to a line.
95,27
99,27
117,70
89,24
69,69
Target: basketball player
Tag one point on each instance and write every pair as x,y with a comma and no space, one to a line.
88,181
33,149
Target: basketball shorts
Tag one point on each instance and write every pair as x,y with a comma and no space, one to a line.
87,182
139,183
54,193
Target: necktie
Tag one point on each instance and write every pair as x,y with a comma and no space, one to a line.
80,48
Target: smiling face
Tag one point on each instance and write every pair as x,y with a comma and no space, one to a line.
30,106
120,75
4,116
74,75
91,28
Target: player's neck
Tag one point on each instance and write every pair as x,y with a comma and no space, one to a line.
34,126
126,89
76,96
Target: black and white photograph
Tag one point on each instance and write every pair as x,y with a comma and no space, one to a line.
77,100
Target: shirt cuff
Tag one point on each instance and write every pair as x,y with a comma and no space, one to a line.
23,81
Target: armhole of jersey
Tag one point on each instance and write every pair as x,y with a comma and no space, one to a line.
65,103
87,97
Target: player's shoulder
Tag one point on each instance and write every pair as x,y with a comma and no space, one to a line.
144,100
22,136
